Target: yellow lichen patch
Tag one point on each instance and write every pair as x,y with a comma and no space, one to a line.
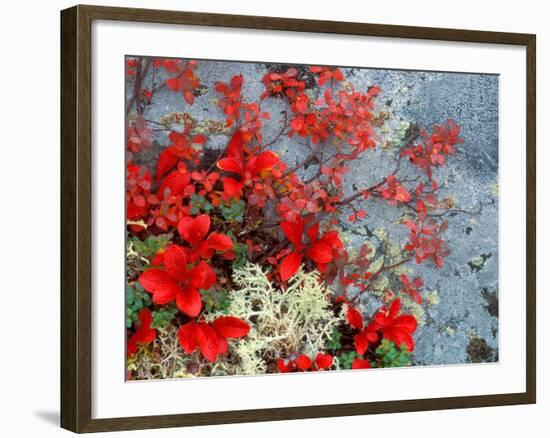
413,308
431,297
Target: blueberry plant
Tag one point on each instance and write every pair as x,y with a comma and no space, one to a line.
197,215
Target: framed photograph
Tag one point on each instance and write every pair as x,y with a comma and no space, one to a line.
269,218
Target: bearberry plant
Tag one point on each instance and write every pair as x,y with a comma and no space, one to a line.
239,256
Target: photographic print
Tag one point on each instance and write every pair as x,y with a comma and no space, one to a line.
286,218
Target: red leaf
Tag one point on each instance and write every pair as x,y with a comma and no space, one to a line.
166,161
153,278
303,362
194,230
231,164
232,187
210,343
189,97
354,318
323,361
220,242
202,276
359,364
175,262
394,308
293,232
332,239
284,367
231,327
166,293
313,232
187,335
361,343
144,334
406,323
235,145
320,253
189,301
290,265
265,160
176,182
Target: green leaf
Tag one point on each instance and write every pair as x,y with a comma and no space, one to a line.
233,212
163,316
334,341
346,359
218,300
391,356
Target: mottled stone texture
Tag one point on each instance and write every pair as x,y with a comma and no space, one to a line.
461,319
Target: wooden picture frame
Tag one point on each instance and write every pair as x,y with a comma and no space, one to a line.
76,225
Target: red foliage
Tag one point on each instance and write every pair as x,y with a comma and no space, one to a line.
176,282
321,250
395,327
436,147
326,73
138,188
394,192
303,362
425,242
411,288
139,135
254,171
144,334
283,84
185,81
211,338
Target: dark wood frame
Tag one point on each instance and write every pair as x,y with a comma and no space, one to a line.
76,236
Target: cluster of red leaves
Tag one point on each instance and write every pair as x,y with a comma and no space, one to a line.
184,270
138,188
298,198
231,101
320,249
183,146
255,171
436,147
143,334
425,241
130,67
211,338
394,192
323,361
185,80
139,135
348,117
386,323
326,74
179,275
425,199
283,84
411,287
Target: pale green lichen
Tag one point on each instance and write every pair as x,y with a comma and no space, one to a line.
413,308
431,297
283,322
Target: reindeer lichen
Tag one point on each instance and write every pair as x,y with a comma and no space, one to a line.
284,322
